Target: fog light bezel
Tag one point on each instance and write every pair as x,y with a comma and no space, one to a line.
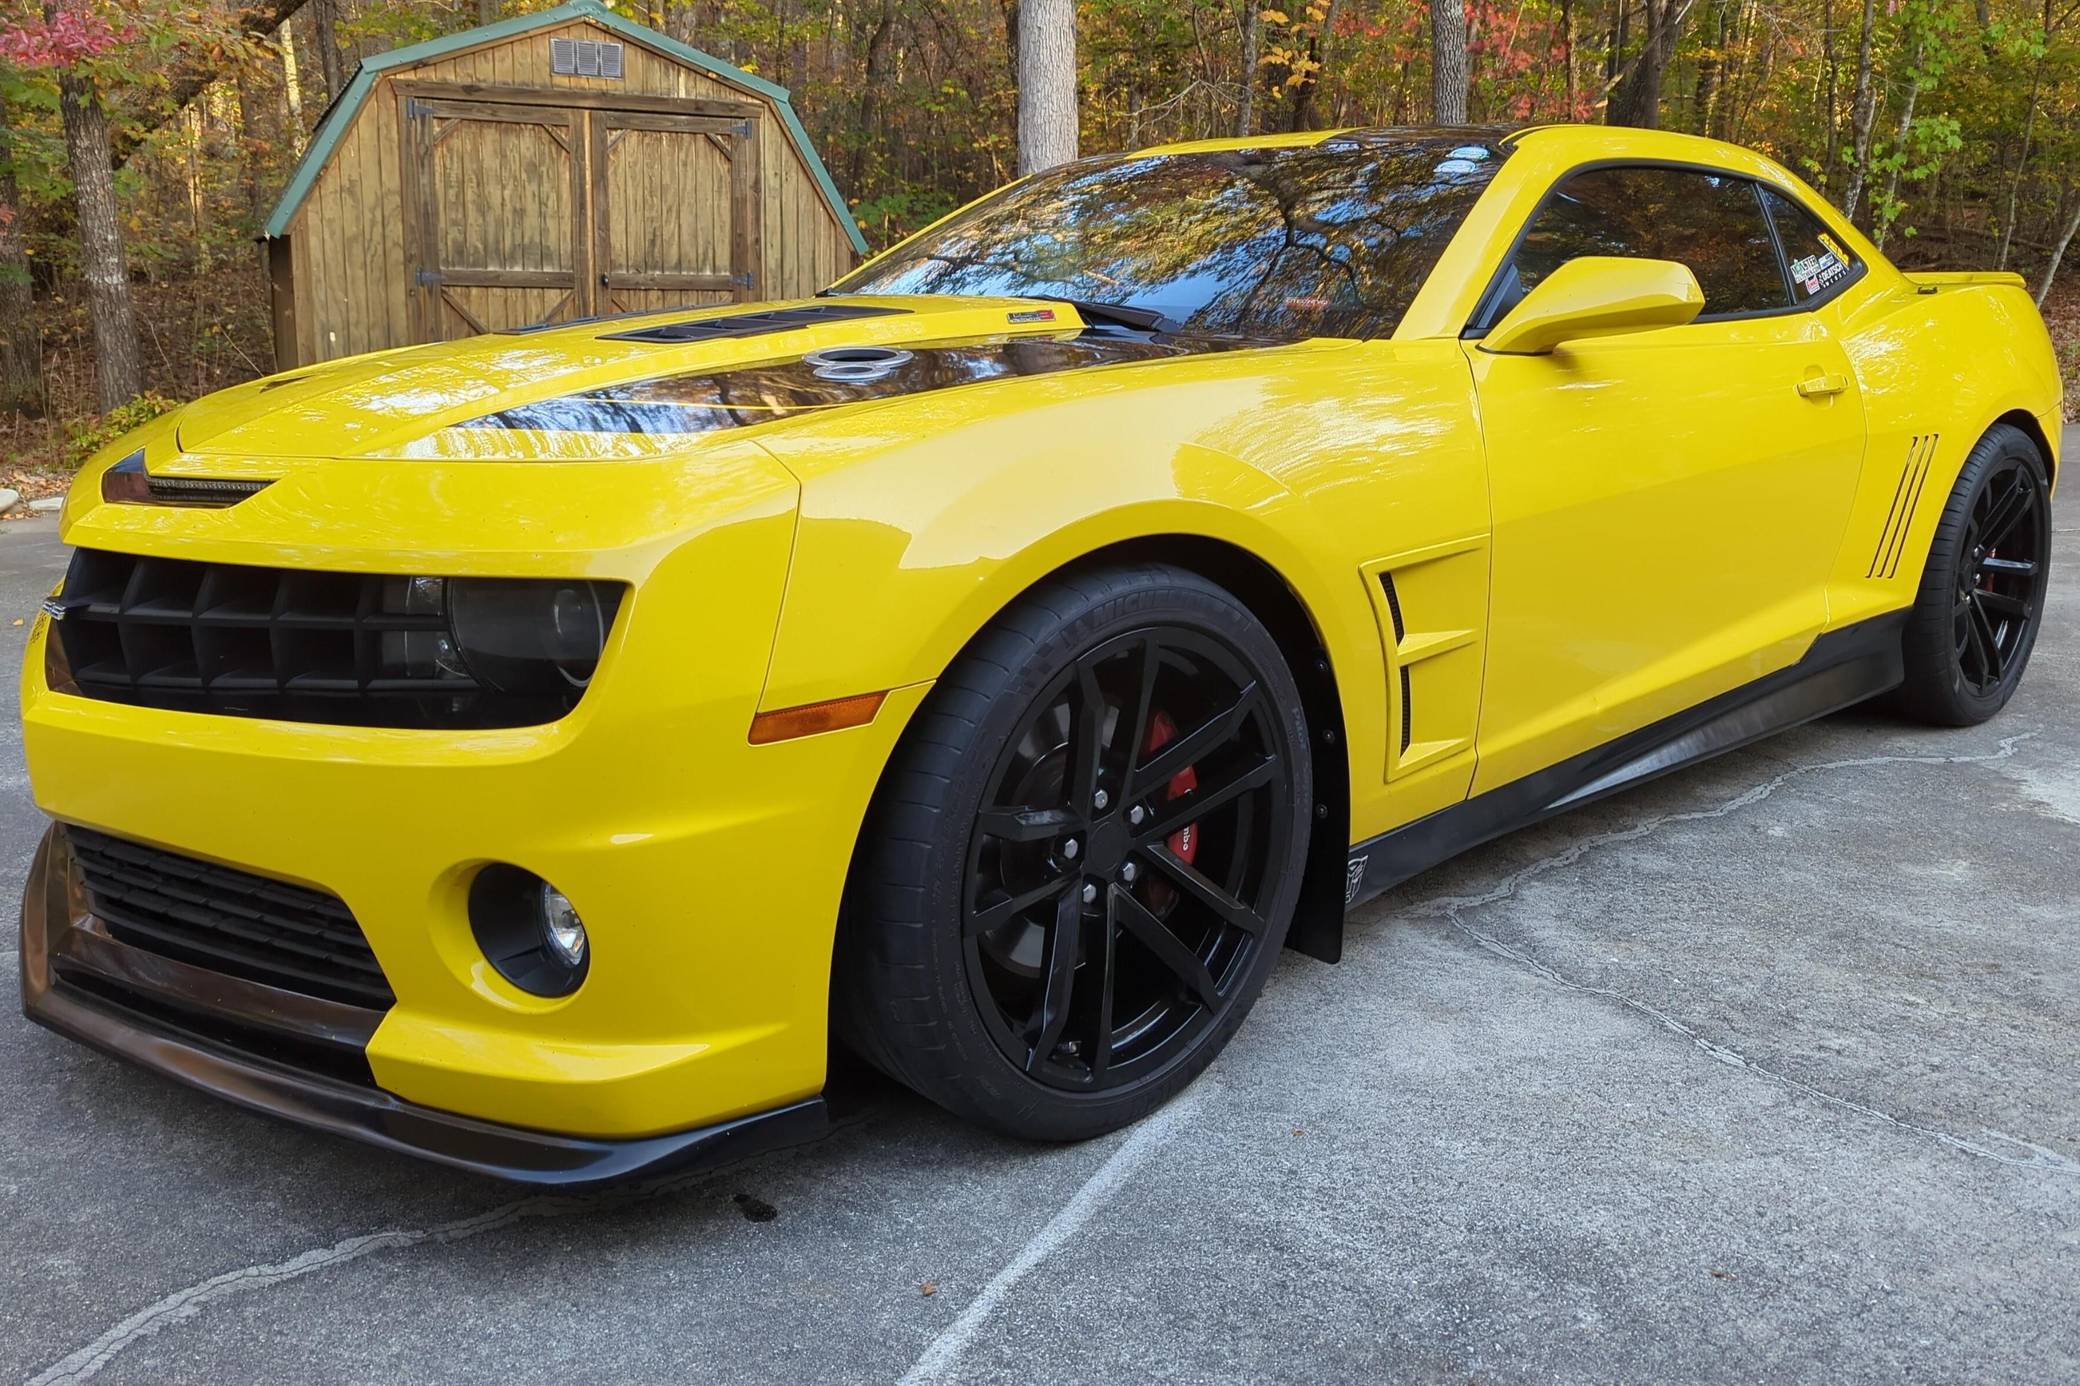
510,919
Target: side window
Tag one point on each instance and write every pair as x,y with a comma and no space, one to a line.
1711,222
1818,262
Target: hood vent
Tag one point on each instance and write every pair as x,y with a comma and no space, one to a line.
751,324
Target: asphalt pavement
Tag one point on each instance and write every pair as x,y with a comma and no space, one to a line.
1767,1071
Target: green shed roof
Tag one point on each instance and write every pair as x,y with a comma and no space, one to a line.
341,113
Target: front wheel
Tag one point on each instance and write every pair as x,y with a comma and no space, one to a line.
1083,860
1981,600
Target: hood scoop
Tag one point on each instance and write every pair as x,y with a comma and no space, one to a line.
756,324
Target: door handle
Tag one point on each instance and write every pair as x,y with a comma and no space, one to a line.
1821,386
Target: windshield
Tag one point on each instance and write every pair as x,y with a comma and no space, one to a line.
1330,240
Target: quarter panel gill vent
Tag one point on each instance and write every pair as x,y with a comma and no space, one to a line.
756,324
1906,497
1386,580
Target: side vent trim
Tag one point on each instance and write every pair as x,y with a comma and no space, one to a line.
1408,717
1906,497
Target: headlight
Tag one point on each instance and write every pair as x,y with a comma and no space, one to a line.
526,636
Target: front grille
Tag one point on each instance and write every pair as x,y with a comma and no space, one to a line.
285,936
357,649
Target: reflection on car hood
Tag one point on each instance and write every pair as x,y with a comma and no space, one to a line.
706,401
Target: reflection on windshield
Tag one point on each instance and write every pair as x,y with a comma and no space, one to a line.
1331,239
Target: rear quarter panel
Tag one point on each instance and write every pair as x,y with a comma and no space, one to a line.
1939,359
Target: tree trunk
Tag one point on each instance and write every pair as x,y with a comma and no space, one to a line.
1831,67
1899,143
487,11
21,344
2058,252
1636,100
1863,113
1302,117
1252,37
2029,130
292,90
1567,58
1710,64
1448,65
118,378
325,38
879,45
1046,84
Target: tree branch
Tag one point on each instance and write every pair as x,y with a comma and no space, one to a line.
188,79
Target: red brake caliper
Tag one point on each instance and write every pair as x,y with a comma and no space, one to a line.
1184,843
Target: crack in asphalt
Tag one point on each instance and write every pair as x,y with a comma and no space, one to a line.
185,1303
1453,909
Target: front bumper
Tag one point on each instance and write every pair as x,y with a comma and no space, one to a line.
708,870
225,1037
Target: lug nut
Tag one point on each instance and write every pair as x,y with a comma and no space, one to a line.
1070,849
1100,800
1137,815
1090,893
1128,872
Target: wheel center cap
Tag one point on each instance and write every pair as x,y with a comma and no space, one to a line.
1108,846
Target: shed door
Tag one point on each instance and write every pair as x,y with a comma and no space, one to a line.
674,210
499,239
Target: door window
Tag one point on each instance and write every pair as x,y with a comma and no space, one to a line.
1711,222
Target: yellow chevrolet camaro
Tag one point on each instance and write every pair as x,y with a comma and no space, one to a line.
529,751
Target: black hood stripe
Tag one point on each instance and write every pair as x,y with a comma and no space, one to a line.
710,401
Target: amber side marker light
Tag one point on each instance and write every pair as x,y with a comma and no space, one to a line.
787,723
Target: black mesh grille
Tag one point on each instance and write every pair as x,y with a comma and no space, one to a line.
292,644
752,324
247,926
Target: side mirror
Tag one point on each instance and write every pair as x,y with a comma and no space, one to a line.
1597,296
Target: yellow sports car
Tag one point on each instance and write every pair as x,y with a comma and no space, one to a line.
529,751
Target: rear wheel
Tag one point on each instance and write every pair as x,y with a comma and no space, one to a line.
1084,858
1981,601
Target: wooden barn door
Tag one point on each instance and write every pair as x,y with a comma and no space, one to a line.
495,216
674,210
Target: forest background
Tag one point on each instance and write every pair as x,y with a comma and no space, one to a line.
143,143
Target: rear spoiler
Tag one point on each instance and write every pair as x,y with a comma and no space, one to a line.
1961,279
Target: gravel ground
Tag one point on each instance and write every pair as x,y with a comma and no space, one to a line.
1764,1071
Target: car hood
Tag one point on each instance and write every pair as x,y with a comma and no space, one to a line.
649,386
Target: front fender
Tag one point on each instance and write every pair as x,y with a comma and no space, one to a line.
899,562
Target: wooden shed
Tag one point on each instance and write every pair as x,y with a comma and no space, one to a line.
559,165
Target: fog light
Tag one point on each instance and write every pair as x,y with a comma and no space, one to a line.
565,931
528,930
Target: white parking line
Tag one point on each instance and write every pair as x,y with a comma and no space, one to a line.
943,1354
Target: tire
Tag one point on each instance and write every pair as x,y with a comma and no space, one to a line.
1975,619
1062,1011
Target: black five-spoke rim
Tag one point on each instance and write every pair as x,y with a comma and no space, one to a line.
1122,866
2000,579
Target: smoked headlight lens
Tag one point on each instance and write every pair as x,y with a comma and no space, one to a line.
531,636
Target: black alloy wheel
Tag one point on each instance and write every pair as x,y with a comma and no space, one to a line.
1981,599
2000,582
1083,862
1116,875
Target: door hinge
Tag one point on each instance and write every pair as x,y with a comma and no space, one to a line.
745,281
742,129
427,278
414,108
